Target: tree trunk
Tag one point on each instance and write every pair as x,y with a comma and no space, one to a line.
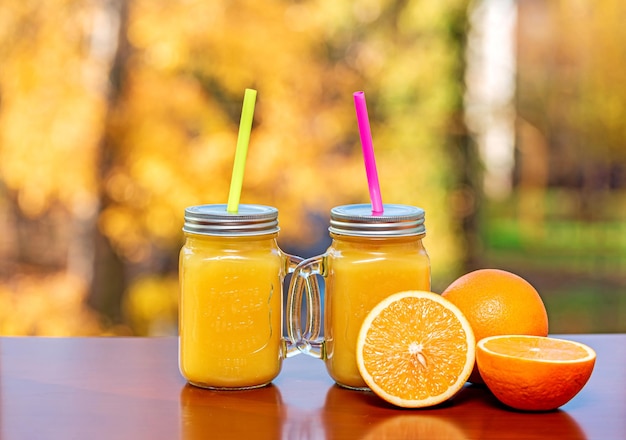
108,283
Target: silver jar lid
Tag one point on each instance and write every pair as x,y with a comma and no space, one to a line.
216,220
358,220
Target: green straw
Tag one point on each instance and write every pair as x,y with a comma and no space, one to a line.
245,126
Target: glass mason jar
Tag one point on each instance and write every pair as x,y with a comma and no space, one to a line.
231,297
370,258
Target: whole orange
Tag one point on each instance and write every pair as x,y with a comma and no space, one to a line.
497,302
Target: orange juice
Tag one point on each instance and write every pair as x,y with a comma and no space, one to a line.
364,271
230,312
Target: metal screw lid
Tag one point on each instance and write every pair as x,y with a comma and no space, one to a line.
216,220
358,220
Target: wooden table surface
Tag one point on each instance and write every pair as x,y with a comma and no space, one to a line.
128,388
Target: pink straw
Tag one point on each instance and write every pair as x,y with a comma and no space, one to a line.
368,152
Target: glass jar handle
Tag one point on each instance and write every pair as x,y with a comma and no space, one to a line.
304,281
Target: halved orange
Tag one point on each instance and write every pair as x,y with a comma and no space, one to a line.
415,349
534,373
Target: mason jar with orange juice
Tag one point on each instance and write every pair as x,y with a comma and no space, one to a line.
371,257
231,301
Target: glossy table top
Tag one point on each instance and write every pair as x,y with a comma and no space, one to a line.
126,388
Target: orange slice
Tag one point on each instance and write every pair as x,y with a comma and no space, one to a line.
415,349
534,373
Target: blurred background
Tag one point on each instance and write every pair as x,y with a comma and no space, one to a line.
503,119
